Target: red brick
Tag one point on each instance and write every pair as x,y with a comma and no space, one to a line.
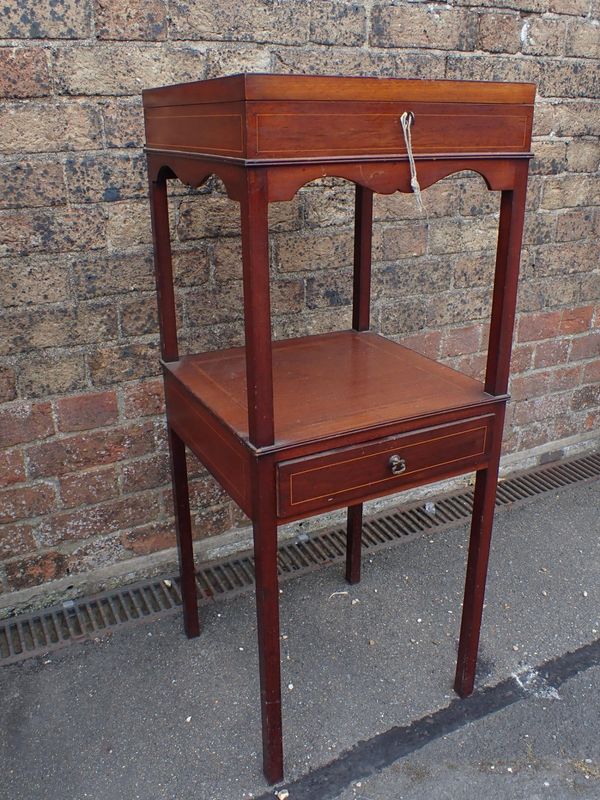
491,68
300,252
59,19
96,552
570,191
31,183
393,242
330,289
238,518
149,538
101,275
524,386
25,422
8,384
575,225
427,343
145,473
47,127
35,570
16,539
36,329
583,38
500,32
90,450
211,521
545,325
521,358
549,158
110,68
32,281
549,325
541,408
192,267
205,491
124,122
283,23
134,19
568,78
338,23
585,397
224,59
98,520
461,341
41,374
566,118
540,383
86,411
23,72
87,488
587,346
12,467
109,365
26,501
543,36
144,399
472,365
400,279
576,320
445,27
535,434
579,8
563,378
592,421
59,230
138,315
551,353
591,372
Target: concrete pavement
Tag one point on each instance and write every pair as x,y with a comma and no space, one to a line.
147,715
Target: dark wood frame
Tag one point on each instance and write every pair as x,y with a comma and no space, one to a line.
254,465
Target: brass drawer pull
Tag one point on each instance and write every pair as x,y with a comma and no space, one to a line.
397,465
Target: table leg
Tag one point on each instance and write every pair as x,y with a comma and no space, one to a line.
183,525
479,550
267,610
353,543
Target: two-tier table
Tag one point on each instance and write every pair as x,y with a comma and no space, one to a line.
298,427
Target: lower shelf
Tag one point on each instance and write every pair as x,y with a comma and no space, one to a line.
356,417
329,385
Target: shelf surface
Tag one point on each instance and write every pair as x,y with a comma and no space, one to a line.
329,385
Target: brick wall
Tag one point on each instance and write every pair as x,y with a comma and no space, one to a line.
83,464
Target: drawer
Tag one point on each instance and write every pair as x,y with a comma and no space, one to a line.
364,471
346,129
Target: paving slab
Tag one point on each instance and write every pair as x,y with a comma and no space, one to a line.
146,714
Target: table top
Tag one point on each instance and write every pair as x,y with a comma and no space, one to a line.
249,87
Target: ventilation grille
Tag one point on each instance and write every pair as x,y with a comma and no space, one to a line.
87,618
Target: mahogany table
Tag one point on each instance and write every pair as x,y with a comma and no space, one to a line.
298,427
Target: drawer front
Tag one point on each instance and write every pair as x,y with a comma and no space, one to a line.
361,472
342,129
210,128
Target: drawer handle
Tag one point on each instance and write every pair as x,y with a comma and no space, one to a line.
397,465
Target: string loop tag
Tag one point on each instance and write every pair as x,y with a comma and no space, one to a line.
406,120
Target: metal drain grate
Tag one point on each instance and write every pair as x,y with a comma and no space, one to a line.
49,629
